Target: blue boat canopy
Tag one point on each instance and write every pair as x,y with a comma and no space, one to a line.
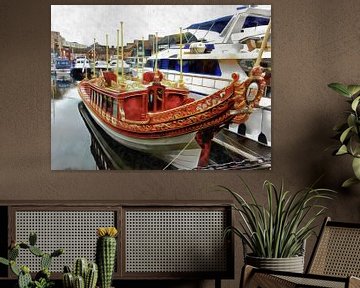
216,25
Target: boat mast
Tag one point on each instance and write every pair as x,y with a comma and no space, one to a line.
153,46
263,44
156,47
107,52
122,51
94,59
86,68
181,82
143,56
117,56
137,58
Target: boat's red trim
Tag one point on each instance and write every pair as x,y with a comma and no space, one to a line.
210,111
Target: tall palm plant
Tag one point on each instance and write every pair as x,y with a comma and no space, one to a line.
279,229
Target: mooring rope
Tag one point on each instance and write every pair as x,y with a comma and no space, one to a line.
182,150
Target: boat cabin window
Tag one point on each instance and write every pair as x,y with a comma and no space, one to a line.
169,64
173,64
200,66
63,64
149,63
253,21
248,22
164,64
204,66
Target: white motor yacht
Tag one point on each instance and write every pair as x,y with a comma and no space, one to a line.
215,49
81,68
62,69
112,66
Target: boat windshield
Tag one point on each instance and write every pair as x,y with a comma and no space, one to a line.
254,21
216,25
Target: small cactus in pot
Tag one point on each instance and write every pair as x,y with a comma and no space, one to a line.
85,275
106,254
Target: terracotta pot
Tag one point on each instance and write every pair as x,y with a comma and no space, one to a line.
291,264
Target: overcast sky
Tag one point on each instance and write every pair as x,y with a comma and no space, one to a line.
83,23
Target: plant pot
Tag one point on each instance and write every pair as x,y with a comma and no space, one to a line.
291,264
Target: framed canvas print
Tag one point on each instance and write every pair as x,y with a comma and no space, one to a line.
173,88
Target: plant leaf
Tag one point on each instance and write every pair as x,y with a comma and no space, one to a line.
356,167
355,103
341,127
4,261
353,89
14,268
345,134
342,150
351,120
349,182
354,145
279,228
340,88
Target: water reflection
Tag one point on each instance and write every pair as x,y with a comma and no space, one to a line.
78,143
59,87
109,154
69,137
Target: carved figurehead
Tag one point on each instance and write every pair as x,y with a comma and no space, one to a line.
248,93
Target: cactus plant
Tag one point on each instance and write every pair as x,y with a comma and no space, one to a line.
32,238
79,282
43,274
24,280
105,254
36,251
68,280
14,268
45,261
80,267
91,275
42,278
84,274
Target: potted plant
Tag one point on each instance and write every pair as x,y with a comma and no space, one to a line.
42,278
276,233
349,132
84,274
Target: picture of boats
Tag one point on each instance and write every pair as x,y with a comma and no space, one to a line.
198,99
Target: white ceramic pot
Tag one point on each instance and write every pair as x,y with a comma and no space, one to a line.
291,264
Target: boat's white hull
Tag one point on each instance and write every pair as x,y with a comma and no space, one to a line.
181,151
63,74
201,85
259,123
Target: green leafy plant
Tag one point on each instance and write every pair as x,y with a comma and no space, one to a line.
279,229
43,283
42,278
349,131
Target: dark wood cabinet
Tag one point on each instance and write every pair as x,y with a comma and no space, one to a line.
167,240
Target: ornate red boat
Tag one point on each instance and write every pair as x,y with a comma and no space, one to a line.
161,117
